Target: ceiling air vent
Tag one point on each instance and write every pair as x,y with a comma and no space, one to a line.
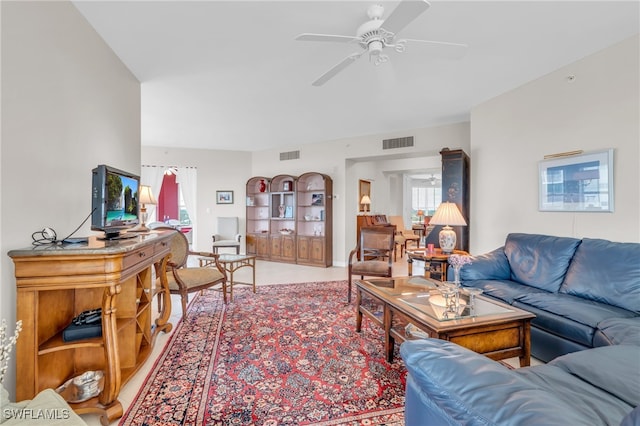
397,143
291,155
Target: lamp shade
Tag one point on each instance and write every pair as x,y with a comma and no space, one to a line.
146,196
365,199
448,214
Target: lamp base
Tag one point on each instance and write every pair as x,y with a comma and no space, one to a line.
447,239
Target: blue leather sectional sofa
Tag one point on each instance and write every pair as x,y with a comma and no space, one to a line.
584,293
586,298
451,385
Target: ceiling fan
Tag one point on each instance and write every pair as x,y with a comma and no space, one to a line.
375,35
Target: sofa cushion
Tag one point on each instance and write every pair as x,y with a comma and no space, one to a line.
504,290
568,316
472,389
618,331
632,419
539,260
489,266
605,271
615,369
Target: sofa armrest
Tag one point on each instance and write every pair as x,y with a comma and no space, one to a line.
47,407
489,266
453,385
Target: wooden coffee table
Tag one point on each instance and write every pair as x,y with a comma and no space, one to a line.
495,329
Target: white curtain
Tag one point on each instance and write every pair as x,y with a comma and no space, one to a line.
152,176
187,178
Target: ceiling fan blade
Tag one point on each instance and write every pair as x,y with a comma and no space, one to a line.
438,43
404,13
337,68
443,49
326,37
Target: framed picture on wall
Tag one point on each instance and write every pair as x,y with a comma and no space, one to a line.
577,183
224,197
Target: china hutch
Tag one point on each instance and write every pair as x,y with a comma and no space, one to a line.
289,218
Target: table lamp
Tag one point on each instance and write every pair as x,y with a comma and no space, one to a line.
420,213
447,214
146,197
366,201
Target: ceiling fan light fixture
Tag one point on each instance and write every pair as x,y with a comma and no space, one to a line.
375,47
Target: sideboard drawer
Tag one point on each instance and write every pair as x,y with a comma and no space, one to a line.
142,255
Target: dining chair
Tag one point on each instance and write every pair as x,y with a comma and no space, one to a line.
184,279
373,254
407,234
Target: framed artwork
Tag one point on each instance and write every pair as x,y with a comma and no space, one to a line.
317,199
577,183
224,197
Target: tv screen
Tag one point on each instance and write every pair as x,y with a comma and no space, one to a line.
114,201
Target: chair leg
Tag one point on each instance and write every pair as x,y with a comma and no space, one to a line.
184,297
349,290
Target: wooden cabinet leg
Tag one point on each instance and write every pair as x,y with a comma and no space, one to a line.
112,377
164,296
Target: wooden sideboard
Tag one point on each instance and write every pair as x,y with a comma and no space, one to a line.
56,283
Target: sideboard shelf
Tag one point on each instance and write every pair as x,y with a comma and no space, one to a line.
124,278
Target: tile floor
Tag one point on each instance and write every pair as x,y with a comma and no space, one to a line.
266,273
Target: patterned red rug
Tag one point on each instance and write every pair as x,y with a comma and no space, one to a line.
287,355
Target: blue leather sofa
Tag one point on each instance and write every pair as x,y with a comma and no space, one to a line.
585,293
586,297
451,385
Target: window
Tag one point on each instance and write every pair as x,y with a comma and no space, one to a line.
426,195
184,215
171,203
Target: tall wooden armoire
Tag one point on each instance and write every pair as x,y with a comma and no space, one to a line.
456,189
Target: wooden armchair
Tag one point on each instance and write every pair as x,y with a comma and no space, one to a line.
185,279
372,255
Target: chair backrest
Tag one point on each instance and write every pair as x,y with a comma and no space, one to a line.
227,227
179,247
398,222
376,241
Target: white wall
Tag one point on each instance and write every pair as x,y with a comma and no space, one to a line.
512,132
230,170
68,104
217,171
350,159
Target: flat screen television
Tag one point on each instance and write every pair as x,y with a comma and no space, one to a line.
114,201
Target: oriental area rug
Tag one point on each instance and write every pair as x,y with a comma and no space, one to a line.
287,355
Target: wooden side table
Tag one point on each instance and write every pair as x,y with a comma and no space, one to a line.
435,263
231,263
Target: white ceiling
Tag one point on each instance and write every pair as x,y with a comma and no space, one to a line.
229,74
